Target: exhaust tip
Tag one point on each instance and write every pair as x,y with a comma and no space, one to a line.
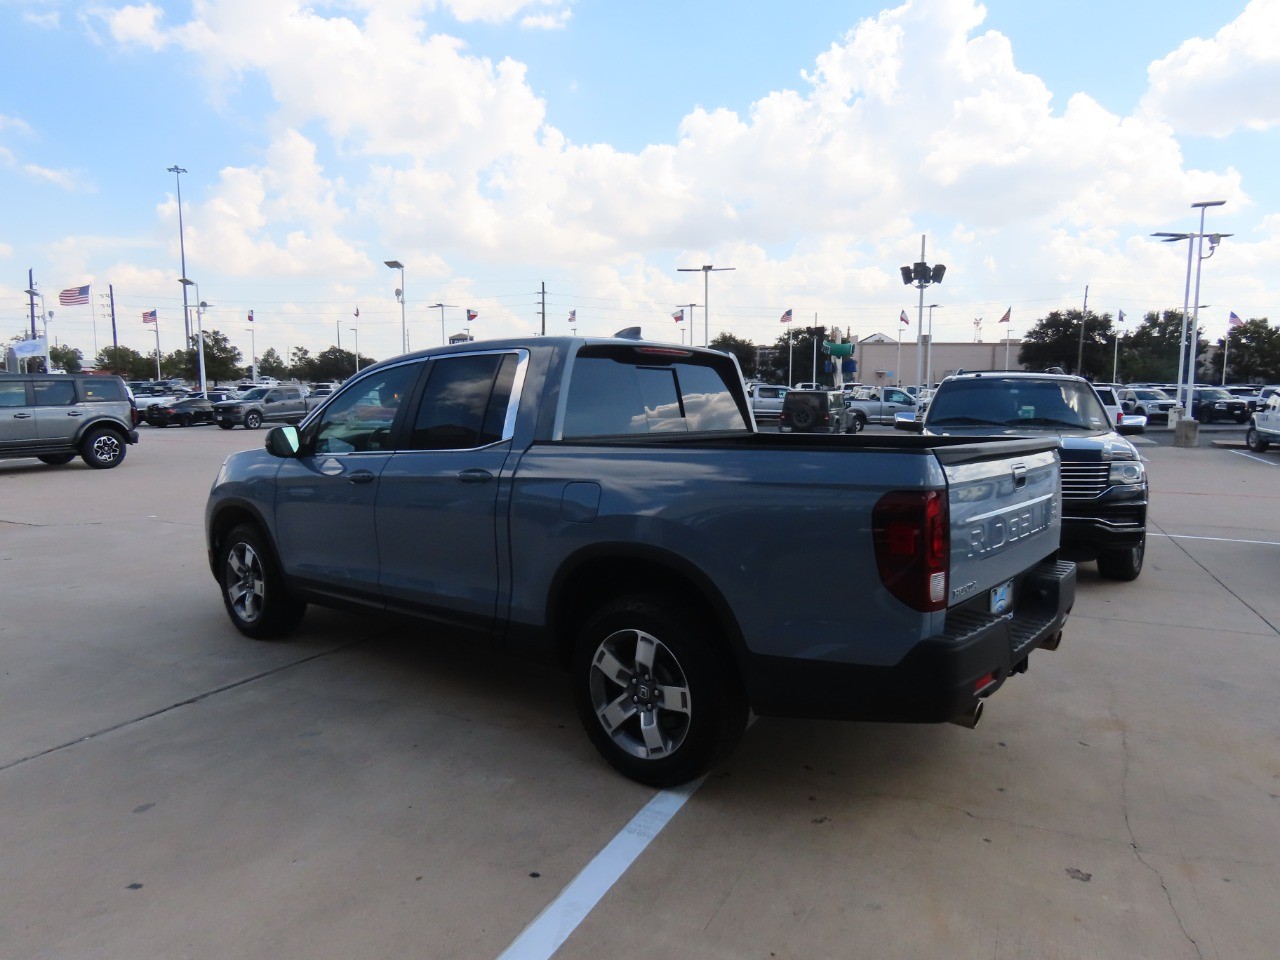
1052,643
970,718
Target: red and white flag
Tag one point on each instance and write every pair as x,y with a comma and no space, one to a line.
471,315
678,316
903,317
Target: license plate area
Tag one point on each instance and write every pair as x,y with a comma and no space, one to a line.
1001,598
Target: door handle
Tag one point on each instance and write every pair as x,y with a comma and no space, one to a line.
475,475
75,413
360,476
22,416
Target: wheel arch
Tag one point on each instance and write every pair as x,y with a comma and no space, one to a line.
228,516
596,574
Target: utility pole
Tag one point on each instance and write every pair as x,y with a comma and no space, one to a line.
1084,313
115,344
544,308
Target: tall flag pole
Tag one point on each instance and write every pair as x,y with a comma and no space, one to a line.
902,322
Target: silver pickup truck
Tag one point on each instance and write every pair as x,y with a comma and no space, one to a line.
608,505
880,405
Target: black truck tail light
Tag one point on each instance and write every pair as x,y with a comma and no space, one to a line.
912,534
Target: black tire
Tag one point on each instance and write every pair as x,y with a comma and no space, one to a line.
654,691
102,448
1124,564
1251,440
861,420
1242,418
253,589
56,459
184,420
226,424
252,420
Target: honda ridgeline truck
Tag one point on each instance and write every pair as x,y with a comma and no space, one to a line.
609,505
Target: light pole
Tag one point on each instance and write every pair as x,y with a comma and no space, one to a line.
356,331
444,340
689,317
706,269
404,328
1184,398
928,357
921,275
177,172
199,327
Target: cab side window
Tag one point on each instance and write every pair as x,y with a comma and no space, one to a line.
464,404
361,418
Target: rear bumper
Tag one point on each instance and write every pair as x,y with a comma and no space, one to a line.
943,677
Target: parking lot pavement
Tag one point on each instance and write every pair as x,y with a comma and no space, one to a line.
169,788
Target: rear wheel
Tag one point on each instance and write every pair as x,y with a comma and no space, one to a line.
654,691
1122,564
1252,439
184,420
253,588
861,420
102,448
802,418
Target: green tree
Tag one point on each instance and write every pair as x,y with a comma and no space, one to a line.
271,365
1150,353
302,364
1055,342
744,350
1254,356
126,361
67,358
221,360
797,357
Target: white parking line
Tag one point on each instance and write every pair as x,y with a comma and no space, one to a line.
553,926
1269,463
1182,536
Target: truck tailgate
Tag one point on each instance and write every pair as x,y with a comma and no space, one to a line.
1006,513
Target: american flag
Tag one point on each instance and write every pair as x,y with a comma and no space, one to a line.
1234,320
678,316
73,295
471,315
148,316
1120,317
573,316
786,317
1007,314
903,317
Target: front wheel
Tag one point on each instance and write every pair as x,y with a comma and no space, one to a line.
253,588
1253,440
226,424
1122,564
252,420
654,692
56,459
102,449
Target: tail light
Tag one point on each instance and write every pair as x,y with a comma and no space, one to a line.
912,534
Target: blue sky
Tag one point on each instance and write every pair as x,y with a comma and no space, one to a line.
493,145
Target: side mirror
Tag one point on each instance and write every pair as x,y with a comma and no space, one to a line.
283,441
1131,423
908,422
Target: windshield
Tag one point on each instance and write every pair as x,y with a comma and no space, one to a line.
257,393
1017,402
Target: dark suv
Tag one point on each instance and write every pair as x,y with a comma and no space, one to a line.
1104,481
816,411
54,417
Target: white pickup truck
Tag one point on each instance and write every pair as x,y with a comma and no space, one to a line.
1264,426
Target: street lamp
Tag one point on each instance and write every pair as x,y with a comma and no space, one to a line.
1186,372
706,269
404,329
177,172
356,331
921,275
444,340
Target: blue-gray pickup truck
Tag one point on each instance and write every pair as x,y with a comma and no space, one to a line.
609,505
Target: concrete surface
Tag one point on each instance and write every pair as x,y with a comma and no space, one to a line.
170,789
